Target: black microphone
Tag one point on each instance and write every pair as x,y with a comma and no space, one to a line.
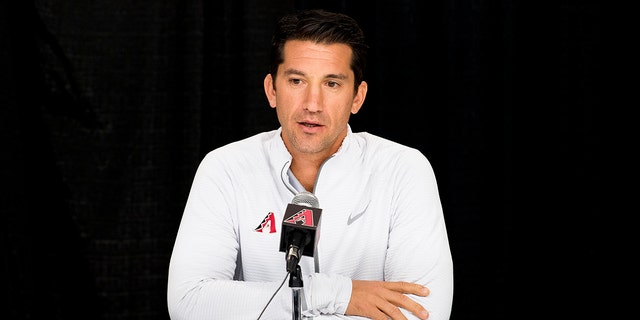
299,225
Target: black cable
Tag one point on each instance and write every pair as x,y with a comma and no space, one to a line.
274,294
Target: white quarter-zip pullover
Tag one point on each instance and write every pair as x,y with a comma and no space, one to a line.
381,220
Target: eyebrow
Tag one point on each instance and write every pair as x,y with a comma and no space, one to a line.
329,76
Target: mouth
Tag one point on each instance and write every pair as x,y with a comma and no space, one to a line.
310,127
309,124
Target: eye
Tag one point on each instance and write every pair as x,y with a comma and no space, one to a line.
333,84
295,81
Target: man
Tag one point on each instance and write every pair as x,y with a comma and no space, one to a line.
382,251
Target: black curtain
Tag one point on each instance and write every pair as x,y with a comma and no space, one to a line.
108,107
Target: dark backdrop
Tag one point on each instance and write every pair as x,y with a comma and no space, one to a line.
107,108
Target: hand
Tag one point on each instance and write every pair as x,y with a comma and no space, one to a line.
383,300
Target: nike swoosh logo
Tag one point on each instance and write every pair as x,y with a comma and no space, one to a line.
354,217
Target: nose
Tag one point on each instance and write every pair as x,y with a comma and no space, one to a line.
313,99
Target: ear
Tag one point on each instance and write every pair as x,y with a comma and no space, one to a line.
270,90
358,100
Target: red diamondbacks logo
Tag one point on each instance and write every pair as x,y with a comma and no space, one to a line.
268,222
304,215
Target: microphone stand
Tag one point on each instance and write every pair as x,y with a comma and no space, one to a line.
295,283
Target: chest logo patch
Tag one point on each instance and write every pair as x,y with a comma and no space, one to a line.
268,223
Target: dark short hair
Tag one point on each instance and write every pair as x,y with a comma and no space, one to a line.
320,26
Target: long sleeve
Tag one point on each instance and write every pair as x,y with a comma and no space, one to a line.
418,243
203,263
382,220
208,276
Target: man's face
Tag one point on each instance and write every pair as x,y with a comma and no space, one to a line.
314,96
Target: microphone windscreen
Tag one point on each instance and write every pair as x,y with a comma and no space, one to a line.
306,198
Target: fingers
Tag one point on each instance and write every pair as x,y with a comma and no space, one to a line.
390,310
400,299
383,300
384,310
408,288
403,301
